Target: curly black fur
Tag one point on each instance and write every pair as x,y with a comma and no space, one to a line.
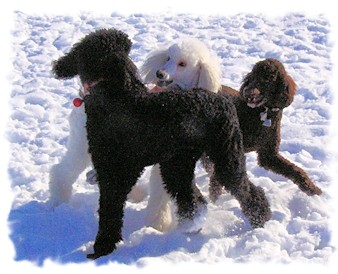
92,66
130,128
278,88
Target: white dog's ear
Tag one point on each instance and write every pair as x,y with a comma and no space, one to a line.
155,61
209,77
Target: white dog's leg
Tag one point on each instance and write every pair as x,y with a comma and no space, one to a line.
158,212
138,193
74,162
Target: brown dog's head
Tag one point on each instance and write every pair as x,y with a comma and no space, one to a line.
269,85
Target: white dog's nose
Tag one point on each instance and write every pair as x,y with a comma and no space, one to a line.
162,74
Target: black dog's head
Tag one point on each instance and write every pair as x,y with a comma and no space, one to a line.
97,56
268,84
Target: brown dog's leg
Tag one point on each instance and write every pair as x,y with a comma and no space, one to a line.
276,163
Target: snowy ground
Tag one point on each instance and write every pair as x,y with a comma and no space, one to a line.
300,230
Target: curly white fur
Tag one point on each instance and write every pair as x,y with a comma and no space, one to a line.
74,162
188,64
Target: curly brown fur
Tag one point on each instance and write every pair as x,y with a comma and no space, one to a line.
267,88
130,128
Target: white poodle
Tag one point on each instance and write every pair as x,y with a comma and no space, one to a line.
183,65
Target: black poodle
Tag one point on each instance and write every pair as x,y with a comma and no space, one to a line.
129,128
264,93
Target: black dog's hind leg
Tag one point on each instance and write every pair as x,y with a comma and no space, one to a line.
230,172
215,188
114,188
178,177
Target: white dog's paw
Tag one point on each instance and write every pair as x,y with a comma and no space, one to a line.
59,194
161,218
91,177
60,189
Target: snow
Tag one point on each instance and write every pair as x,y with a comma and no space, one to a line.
301,231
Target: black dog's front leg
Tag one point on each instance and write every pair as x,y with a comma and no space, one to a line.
276,163
110,223
111,206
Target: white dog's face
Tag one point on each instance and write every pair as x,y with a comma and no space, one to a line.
187,63
180,68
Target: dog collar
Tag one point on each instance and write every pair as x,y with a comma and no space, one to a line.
265,116
77,102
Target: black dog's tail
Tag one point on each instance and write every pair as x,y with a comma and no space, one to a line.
65,67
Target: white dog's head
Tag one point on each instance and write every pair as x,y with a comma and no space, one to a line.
188,64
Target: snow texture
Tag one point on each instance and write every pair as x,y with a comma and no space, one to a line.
301,229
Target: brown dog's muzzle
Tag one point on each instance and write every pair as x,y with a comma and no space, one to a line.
253,97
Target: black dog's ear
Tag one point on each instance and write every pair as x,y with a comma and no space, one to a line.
124,42
66,66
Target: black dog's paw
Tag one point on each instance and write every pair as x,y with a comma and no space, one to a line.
94,256
104,245
255,205
259,208
101,251
260,217
194,225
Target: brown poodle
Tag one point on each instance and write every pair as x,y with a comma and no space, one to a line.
265,92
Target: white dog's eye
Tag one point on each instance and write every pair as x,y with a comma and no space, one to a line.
182,64
168,58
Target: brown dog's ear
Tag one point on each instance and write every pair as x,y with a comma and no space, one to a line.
66,66
291,85
247,79
289,90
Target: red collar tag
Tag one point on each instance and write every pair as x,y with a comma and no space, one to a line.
77,102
